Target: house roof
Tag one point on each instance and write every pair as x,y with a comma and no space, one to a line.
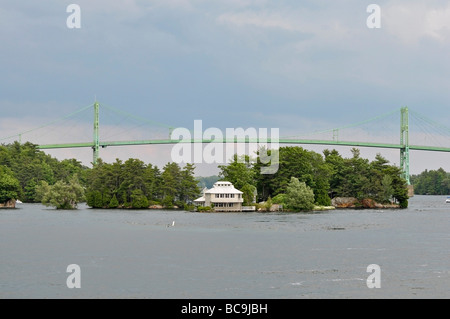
200,199
223,187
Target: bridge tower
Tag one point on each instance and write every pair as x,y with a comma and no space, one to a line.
96,146
404,142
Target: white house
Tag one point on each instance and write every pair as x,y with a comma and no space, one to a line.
223,196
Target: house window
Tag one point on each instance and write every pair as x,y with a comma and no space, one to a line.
232,195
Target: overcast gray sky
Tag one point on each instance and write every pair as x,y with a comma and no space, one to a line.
296,65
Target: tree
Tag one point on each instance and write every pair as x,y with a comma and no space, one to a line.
9,185
268,204
355,172
433,182
248,195
153,182
132,175
94,199
239,172
280,199
31,166
189,186
138,199
207,181
41,190
114,203
171,183
398,184
387,190
299,196
336,164
306,166
61,195
263,182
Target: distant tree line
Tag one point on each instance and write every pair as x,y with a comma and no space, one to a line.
29,174
433,182
207,181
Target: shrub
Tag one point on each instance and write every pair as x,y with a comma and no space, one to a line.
138,199
114,203
299,196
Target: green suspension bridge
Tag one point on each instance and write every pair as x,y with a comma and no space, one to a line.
403,145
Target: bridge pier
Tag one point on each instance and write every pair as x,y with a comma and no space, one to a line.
410,190
96,146
404,142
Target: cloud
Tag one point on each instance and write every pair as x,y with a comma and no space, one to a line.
297,21
290,64
413,21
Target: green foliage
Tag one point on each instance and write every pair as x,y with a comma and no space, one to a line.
29,174
62,195
249,192
332,175
357,177
138,199
167,202
42,189
189,207
433,182
207,181
134,184
171,177
268,204
299,196
94,199
113,203
306,166
239,172
204,208
31,166
189,189
280,199
154,202
386,188
9,185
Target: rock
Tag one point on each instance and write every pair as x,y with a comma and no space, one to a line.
368,203
351,202
156,207
9,204
321,208
275,208
344,202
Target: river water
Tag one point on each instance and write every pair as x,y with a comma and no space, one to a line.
134,254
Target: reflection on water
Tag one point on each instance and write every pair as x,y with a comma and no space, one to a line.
133,254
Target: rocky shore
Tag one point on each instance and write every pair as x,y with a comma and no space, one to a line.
352,202
9,204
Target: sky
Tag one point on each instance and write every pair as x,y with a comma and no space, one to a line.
300,66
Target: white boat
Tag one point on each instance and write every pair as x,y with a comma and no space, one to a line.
18,201
448,199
